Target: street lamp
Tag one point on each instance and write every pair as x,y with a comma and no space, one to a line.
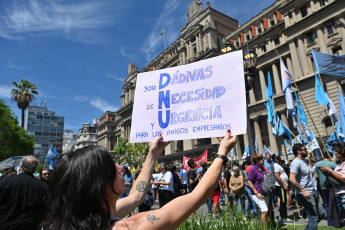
249,61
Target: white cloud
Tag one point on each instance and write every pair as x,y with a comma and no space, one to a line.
74,21
5,91
167,20
127,54
114,76
102,105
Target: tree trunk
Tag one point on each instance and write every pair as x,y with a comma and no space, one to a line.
23,118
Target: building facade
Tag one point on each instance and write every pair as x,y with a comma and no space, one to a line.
288,28
69,140
291,29
200,39
47,129
87,135
106,130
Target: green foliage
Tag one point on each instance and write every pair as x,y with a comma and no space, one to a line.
23,94
14,140
132,154
39,167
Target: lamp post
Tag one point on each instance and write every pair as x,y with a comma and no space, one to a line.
249,61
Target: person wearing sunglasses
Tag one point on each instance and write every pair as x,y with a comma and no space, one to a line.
302,178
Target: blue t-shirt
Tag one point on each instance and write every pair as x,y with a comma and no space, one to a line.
128,179
304,175
270,168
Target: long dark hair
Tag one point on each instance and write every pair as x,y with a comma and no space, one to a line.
77,188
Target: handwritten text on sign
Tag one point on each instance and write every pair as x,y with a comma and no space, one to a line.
198,100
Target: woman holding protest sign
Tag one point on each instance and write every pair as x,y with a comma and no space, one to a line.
86,186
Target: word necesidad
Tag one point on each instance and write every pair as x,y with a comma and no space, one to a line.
167,98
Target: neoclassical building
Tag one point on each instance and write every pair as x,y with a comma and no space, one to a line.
106,130
286,28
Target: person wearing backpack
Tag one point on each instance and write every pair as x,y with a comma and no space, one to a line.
255,181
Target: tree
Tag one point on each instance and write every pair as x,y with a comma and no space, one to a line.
14,140
132,154
23,94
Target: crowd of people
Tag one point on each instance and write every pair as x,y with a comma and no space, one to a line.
88,190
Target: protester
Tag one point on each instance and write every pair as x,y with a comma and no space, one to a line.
43,175
251,203
325,192
154,187
193,177
202,170
338,173
166,185
269,165
22,198
176,182
282,188
129,177
255,181
216,195
301,177
226,182
184,179
89,200
237,186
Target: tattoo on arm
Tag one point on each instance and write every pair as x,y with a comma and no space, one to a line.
298,186
141,186
152,218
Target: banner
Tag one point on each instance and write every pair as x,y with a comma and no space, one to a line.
198,160
329,64
198,100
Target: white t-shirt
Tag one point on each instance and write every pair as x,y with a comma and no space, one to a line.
155,176
166,177
184,176
282,174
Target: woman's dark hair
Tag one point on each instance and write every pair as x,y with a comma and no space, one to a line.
78,189
137,174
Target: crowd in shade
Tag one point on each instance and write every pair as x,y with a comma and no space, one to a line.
88,190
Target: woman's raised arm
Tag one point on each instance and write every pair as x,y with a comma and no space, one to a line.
175,212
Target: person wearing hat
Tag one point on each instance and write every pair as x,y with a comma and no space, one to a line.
237,186
282,182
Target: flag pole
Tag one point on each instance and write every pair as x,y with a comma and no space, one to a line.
311,118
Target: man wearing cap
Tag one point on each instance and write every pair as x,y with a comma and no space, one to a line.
281,184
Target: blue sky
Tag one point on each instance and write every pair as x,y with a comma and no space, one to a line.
77,51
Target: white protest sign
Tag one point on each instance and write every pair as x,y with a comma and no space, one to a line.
198,100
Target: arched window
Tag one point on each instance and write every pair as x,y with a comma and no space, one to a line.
327,123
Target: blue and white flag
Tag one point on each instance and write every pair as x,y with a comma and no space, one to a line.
256,146
269,106
342,110
246,152
266,150
52,156
313,142
320,94
286,82
269,91
329,64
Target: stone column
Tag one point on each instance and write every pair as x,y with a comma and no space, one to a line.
201,43
188,52
277,83
245,140
303,57
170,149
284,119
289,66
209,41
322,41
197,44
251,96
258,135
214,140
238,150
188,144
295,60
263,84
273,141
